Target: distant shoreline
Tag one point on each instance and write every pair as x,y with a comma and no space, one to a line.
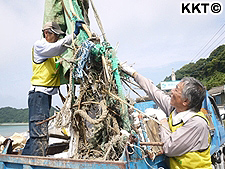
14,124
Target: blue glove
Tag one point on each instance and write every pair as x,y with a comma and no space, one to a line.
78,26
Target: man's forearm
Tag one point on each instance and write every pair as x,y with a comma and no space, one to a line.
158,96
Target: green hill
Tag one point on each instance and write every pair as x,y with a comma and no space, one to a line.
13,115
210,71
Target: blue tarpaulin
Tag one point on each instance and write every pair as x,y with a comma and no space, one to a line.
144,105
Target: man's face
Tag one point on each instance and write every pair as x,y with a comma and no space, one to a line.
50,36
176,97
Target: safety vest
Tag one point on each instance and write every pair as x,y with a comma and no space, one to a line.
191,160
46,73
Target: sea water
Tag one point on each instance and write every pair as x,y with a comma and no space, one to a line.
9,129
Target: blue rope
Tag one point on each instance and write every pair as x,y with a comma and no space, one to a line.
84,55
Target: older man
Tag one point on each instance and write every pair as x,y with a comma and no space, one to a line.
45,83
188,144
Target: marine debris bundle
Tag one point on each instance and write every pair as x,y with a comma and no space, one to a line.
92,115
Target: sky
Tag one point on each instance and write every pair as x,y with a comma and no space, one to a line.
153,36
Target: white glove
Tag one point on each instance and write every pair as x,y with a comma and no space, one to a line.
125,133
127,69
158,113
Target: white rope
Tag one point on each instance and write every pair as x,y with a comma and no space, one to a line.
140,156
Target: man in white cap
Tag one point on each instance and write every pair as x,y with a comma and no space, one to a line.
45,83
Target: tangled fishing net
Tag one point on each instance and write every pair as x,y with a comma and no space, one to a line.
93,117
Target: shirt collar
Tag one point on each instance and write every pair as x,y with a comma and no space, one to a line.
182,116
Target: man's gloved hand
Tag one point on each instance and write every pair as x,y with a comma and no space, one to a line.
127,69
155,112
78,26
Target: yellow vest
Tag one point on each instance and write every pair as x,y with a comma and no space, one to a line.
191,160
46,73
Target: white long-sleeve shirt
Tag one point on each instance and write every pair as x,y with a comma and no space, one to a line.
44,50
192,136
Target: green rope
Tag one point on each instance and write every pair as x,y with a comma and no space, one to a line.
124,108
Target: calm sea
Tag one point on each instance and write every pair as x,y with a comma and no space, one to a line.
9,129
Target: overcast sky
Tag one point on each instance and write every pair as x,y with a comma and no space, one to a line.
153,34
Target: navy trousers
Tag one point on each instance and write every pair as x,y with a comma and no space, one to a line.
39,106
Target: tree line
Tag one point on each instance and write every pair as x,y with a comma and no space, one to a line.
13,115
210,71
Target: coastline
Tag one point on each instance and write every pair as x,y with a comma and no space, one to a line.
14,124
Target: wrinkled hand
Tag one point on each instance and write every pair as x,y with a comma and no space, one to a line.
78,26
155,112
127,69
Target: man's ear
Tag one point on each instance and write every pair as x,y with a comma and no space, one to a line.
43,33
186,103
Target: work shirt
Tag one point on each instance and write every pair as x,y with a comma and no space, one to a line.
192,136
44,50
